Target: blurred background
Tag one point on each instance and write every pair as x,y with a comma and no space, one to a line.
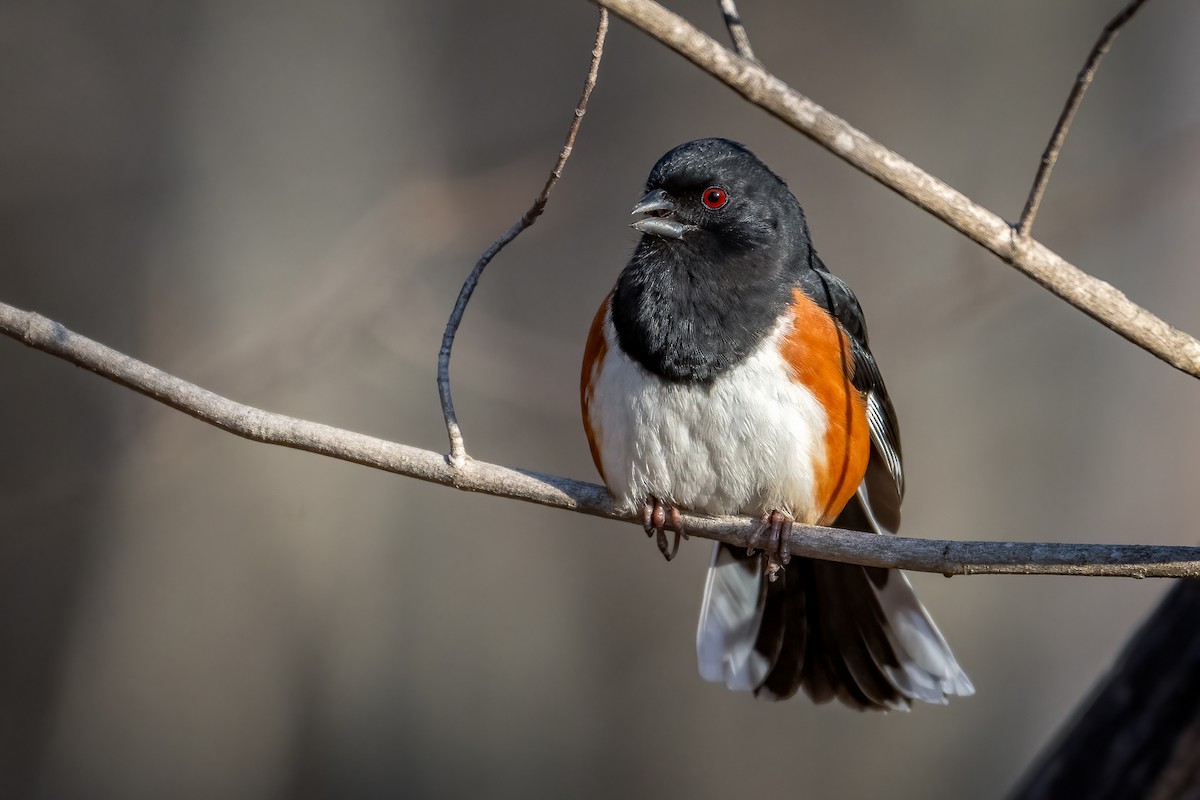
279,200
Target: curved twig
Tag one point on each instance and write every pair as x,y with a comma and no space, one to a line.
1094,297
458,452
926,555
1082,82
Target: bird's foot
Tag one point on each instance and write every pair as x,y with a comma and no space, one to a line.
772,538
658,518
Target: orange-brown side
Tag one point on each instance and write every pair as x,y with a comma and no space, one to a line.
593,353
818,350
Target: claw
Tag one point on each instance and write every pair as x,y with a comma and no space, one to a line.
777,528
662,544
657,519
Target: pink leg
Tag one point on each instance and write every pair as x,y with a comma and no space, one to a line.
772,537
659,517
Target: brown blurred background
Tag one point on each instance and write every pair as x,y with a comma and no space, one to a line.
279,200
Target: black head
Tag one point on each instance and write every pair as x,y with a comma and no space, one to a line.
714,193
723,243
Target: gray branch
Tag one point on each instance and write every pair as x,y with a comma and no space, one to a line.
925,555
737,30
458,447
1092,296
1074,100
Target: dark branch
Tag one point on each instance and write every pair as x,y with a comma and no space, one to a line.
926,555
1082,82
1140,733
458,452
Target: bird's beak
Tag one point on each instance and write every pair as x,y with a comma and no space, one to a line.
659,220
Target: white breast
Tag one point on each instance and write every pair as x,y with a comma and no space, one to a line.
744,444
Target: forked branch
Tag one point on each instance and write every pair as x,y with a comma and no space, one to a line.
947,557
458,451
1082,82
1094,297
926,555
737,30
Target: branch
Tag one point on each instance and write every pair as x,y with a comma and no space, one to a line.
458,450
737,31
925,555
1094,297
1082,82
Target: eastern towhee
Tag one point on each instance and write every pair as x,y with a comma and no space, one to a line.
728,373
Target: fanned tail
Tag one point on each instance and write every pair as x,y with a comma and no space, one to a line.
858,634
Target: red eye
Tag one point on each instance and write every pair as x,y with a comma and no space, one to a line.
714,197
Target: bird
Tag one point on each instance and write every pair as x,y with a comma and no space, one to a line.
728,372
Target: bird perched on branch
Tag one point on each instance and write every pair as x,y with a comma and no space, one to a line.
728,373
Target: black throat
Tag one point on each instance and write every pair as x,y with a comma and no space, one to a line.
690,310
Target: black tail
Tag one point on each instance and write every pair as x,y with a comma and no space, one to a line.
836,630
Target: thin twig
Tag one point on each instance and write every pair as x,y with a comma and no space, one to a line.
737,30
926,555
1092,296
458,451
1082,82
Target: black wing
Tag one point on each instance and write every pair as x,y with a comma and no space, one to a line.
883,485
